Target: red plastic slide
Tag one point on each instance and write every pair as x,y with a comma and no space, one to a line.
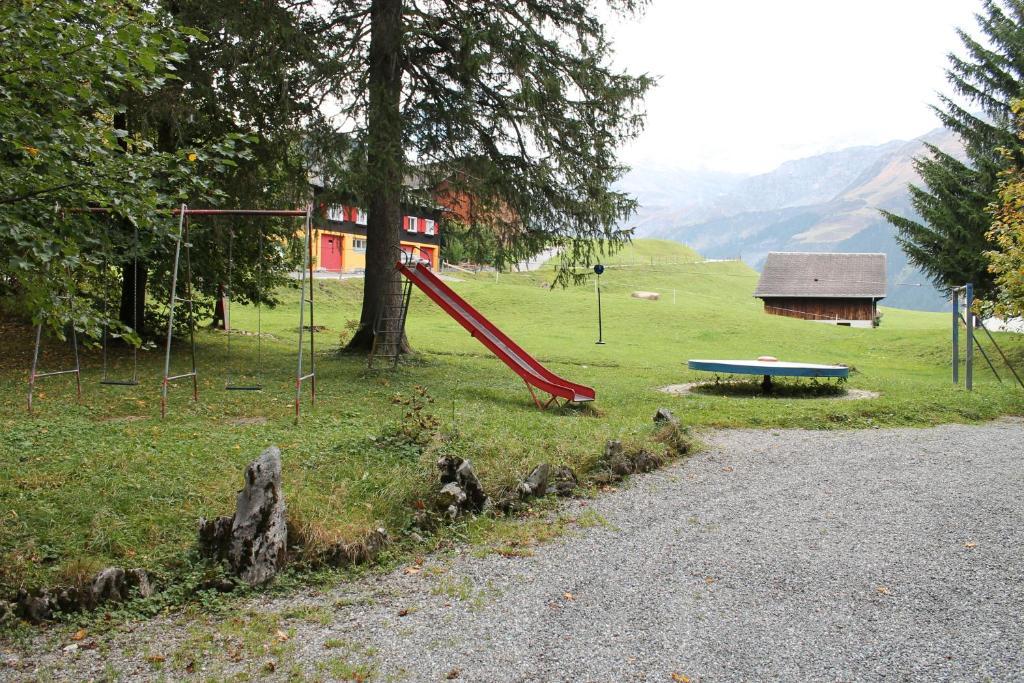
522,363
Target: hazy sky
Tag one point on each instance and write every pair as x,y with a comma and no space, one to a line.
747,84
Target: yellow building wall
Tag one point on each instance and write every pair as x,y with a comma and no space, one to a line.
352,260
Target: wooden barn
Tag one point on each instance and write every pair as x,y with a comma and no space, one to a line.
841,289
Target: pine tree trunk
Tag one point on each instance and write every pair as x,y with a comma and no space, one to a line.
385,166
132,311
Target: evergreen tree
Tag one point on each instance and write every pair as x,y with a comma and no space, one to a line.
512,103
949,241
250,70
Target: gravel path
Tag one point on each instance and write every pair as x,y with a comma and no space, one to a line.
784,555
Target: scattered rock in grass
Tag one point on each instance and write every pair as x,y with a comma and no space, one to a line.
34,608
69,600
108,586
255,540
612,450
676,438
536,483
460,488
564,482
665,415
215,536
112,584
622,466
645,461
140,581
618,462
451,499
259,534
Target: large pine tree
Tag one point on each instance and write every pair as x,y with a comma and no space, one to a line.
949,240
514,103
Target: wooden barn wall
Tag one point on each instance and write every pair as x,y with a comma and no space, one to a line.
821,309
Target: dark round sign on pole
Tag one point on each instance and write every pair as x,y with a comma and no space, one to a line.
600,332
598,269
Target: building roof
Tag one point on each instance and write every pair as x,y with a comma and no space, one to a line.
822,275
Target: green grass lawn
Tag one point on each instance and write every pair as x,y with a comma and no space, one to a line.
108,482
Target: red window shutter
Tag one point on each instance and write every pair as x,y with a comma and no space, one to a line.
405,223
422,225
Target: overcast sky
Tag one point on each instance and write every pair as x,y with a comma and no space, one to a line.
748,84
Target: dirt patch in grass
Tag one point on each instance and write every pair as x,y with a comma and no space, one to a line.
248,421
753,390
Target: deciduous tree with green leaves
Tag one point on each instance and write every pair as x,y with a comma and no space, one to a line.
65,65
1006,261
513,103
948,238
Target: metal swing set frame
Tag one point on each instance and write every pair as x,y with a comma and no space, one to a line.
183,244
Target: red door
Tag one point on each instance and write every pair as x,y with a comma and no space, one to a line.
330,252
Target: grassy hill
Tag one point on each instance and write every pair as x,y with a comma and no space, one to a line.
108,481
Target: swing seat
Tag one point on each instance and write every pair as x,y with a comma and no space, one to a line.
120,382
243,387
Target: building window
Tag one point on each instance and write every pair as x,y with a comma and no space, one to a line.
336,213
358,244
430,227
360,217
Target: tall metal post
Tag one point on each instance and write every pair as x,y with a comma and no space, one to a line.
956,335
600,326
969,304
307,272
170,312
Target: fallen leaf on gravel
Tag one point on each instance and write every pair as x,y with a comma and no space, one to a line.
568,596
970,544
454,673
155,659
403,612
728,468
883,590
190,668
680,678
709,580
281,635
270,666
608,489
412,570
80,634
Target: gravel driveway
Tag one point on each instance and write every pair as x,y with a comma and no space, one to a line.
785,555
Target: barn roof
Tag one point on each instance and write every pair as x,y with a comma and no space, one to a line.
823,275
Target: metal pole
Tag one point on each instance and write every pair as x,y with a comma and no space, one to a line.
600,324
956,335
35,365
191,308
1005,359
307,269
988,360
170,313
969,304
312,324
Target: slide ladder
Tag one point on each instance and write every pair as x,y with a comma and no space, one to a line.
389,328
535,375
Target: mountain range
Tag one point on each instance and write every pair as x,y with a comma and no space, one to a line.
828,202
